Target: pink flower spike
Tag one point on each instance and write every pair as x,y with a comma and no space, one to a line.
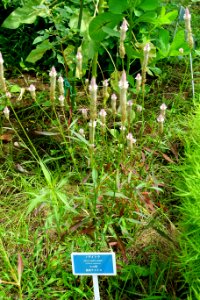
123,83
105,83
60,79
31,88
53,72
138,77
147,47
113,97
131,138
187,15
1,59
103,113
161,118
163,107
6,112
79,55
93,86
124,26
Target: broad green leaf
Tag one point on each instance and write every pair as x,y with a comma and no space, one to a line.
164,41
149,17
86,18
89,47
164,19
115,133
178,42
132,53
106,19
15,89
111,32
117,6
40,38
149,4
69,55
197,52
26,14
38,53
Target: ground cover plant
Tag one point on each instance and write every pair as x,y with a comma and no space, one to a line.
91,150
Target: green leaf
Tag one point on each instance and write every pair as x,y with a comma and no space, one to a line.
197,52
46,173
94,176
149,4
25,15
40,38
15,89
116,195
62,196
38,53
106,19
117,7
111,32
35,202
148,17
164,19
178,42
114,133
164,41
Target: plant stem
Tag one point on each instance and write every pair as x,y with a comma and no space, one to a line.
73,103
192,75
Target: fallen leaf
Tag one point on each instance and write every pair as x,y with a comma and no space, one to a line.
167,158
7,137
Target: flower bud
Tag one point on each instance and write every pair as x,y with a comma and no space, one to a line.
113,103
61,99
32,91
123,30
61,85
6,112
138,79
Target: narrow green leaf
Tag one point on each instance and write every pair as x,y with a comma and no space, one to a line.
116,195
46,173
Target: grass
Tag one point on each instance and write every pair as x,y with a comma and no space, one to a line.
60,195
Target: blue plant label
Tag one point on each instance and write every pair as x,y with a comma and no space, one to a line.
93,263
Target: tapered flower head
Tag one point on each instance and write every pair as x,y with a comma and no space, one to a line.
123,83
53,72
32,88
62,100
93,86
1,59
79,55
187,15
103,113
123,30
160,118
163,107
131,138
147,47
6,112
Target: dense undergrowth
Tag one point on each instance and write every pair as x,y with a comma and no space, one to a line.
82,171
